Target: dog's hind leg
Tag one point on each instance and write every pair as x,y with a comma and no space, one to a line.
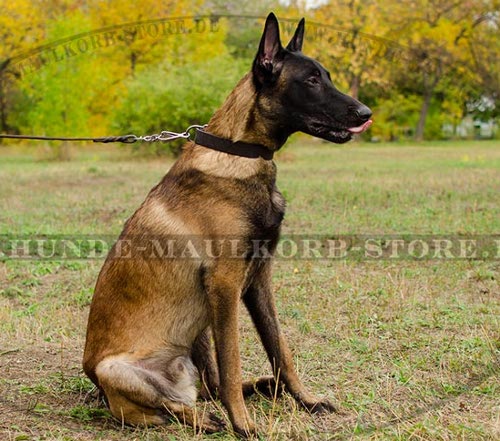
140,393
203,358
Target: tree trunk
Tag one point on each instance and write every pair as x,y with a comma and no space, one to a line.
3,107
424,110
63,152
133,62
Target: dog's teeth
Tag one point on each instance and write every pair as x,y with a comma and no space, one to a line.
342,134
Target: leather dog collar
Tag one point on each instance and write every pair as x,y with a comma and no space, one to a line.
238,148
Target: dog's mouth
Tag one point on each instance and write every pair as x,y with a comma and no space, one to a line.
337,135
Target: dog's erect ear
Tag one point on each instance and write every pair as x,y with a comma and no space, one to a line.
295,44
268,61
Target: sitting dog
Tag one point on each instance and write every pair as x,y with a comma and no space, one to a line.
151,319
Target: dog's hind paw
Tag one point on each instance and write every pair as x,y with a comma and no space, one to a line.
212,424
320,407
266,386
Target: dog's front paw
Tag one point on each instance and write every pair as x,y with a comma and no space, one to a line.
248,431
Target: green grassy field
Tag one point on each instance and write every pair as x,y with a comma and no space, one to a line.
408,349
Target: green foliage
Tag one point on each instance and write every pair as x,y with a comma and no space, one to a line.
85,413
435,120
396,117
172,98
391,55
57,99
57,103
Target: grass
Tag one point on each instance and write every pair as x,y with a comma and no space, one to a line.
407,349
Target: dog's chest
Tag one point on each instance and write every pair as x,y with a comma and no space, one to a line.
265,211
276,211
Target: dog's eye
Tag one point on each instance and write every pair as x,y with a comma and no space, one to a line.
314,78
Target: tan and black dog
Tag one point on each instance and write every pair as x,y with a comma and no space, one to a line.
151,319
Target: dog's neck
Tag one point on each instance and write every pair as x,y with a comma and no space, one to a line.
239,119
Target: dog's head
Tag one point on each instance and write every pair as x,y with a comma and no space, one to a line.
297,92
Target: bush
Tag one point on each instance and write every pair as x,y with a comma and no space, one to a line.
395,117
172,98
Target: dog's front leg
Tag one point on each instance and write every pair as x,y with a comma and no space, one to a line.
259,300
224,285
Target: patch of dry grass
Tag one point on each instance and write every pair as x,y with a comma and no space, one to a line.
408,350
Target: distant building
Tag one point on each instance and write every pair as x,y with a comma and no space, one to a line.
471,128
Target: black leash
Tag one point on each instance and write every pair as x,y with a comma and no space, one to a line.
205,139
164,136
128,139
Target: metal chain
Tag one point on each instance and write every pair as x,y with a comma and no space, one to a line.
164,136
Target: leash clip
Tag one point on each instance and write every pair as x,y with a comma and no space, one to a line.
193,127
167,136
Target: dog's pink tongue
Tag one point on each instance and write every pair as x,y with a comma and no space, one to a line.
361,128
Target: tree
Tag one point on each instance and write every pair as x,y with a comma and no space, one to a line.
244,30
166,97
350,41
21,23
72,78
438,35
484,46
57,98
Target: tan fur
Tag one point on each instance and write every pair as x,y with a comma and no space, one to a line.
224,165
240,120
231,121
159,220
148,334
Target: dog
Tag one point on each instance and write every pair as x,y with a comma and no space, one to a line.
152,320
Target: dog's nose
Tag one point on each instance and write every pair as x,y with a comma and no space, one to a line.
363,112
